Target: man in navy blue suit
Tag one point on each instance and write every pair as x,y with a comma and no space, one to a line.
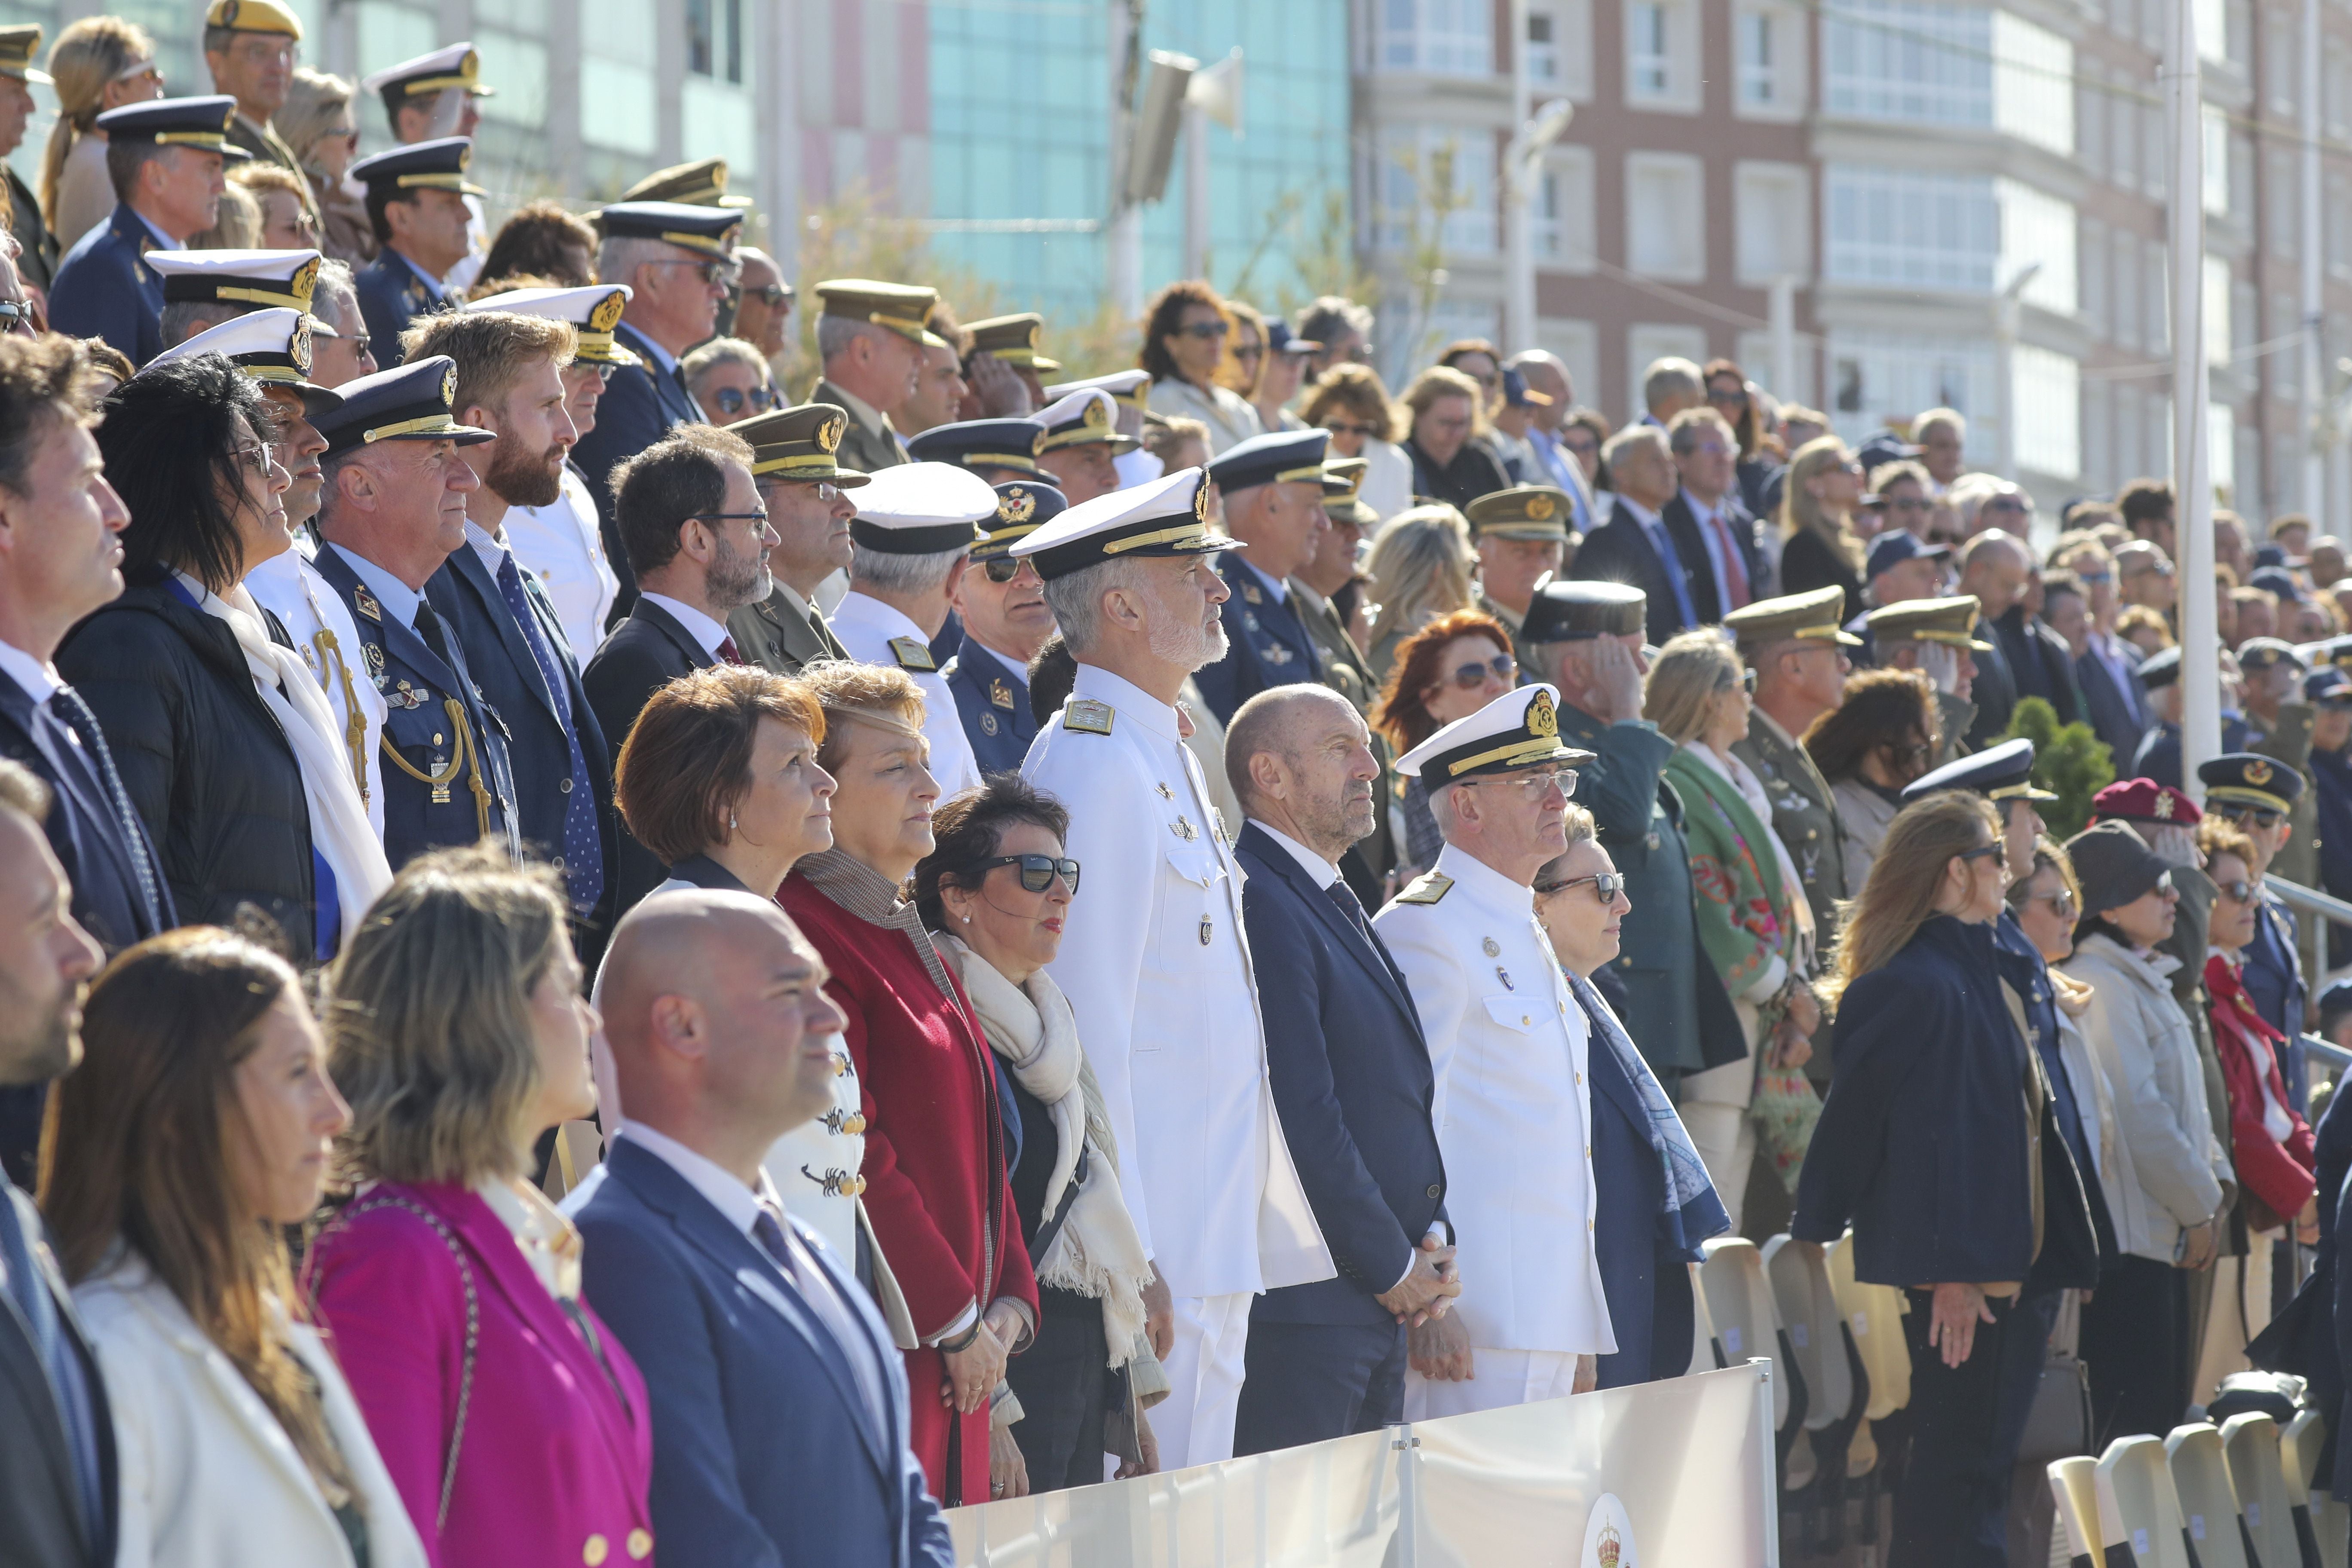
59,559
1645,547
1352,1079
779,1402
509,380
166,159
1271,487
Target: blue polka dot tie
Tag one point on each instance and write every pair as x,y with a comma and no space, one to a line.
583,854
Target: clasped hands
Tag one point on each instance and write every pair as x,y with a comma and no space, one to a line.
973,1371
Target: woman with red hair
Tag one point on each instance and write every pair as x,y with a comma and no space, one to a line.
1448,669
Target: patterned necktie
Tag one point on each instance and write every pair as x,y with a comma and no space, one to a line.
1344,896
1735,566
583,853
727,653
84,724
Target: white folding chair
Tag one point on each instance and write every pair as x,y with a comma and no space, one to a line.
2209,1502
2252,1442
2134,1482
1747,1320
2319,1520
2090,1531
1873,1316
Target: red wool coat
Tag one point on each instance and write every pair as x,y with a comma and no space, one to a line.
2276,1171
936,1187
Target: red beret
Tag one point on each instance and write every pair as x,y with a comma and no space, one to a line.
2144,800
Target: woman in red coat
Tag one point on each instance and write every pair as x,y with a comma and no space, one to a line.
935,1151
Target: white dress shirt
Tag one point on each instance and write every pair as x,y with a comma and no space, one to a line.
290,588
867,627
39,679
563,545
706,632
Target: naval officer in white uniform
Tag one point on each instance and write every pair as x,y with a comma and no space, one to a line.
910,542
1159,970
1509,1044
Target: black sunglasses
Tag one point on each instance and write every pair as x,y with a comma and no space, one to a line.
1002,568
732,399
2260,816
2241,891
2000,852
1037,871
1606,886
1470,677
771,294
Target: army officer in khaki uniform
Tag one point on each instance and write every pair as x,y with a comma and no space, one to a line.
795,463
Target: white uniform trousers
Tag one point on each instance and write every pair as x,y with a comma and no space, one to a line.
1194,1424
1503,1378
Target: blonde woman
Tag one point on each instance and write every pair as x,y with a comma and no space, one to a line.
1755,923
320,126
99,63
1351,403
1819,547
1447,440
1245,351
1421,566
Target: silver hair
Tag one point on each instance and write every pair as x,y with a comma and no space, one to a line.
1076,600
1634,436
835,333
618,258
902,573
1441,806
338,291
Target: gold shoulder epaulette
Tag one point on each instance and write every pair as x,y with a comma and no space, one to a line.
1088,716
1426,888
912,655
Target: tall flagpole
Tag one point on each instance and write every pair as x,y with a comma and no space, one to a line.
2192,486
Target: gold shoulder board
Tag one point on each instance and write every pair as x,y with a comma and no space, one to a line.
912,655
1426,888
1088,716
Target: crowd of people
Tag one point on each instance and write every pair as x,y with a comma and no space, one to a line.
549,1012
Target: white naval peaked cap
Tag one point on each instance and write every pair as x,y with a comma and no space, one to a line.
272,345
1166,516
1088,417
921,508
595,309
1518,730
268,277
1126,386
455,66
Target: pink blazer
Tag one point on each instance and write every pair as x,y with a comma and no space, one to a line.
555,1465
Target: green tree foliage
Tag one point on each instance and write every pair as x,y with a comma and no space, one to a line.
2069,760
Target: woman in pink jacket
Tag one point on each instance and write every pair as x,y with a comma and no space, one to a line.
512,1421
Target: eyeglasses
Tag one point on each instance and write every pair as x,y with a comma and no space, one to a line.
1037,871
824,489
2241,891
255,457
769,294
1997,850
1472,676
1204,331
721,273
1250,351
759,517
1349,428
732,399
348,135
2093,578
2062,902
1606,886
1535,786
1004,568
1747,682
1728,399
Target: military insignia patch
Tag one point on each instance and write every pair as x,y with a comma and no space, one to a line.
1539,508
830,437
1542,719
1000,692
1251,595
1016,505
988,723
450,385
374,658
364,602
912,655
2258,774
2164,807
305,282
1426,888
1201,498
1098,415
607,315
1088,716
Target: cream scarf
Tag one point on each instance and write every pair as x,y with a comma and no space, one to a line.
1098,1253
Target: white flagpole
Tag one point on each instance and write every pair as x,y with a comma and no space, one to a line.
2200,673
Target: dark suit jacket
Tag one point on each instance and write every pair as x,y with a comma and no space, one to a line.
645,653
104,290
639,405
2108,709
1352,1082
392,293
2039,662
538,751
1642,1271
1994,693
766,1452
993,704
1619,551
1266,643
40,1501
1682,525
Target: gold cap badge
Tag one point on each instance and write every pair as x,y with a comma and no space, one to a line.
1541,719
607,314
1016,505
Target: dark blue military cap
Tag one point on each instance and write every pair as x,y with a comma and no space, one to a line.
199,122
2261,653
1572,611
2160,668
1998,773
710,230
438,164
411,403
982,444
1023,507
2242,778
1286,456
2336,1001
2328,687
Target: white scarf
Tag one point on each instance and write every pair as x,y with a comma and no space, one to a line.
1098,1253
339,821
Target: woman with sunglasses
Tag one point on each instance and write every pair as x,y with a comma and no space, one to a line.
1883,734
1187,336
996,892
2045,903
1755,923
938,1153
1924,1149
1351,403
1818,544
1760,457
321,124
2270,1143
96,64
1656,1203
1447,670
225,744
727,380
1245,351
2166,1199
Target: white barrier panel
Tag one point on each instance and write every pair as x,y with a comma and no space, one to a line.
1664,1474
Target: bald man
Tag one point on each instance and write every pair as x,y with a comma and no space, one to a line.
1995,567
778,1400
1352,1079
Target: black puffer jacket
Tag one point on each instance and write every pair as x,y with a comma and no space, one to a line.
204,762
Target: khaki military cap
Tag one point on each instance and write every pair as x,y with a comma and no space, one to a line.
1946,621
701,184
898,307
17,47
799,444
1523,512
1817,617
1013,339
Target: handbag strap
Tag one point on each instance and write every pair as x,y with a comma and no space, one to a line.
1050,1227
473,1327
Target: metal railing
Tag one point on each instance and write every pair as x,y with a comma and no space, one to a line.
2318,911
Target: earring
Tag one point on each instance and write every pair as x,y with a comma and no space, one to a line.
967,920
731,822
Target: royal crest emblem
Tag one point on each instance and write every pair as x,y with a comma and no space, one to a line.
298,350
1016,505
2258,774
1542,719
449,387
1539,508
607,313
1098,415
829,437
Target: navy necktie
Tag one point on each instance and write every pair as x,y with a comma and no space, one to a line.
583,854
1671,561
84,724
1350,907
30,1290
771,1237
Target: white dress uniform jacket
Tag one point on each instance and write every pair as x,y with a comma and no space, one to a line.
562,545
1514,1112
1157,968
208,1478
315,617
876,633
